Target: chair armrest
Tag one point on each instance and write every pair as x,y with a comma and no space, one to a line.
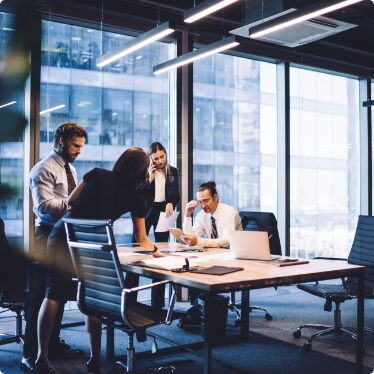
330,258
145,287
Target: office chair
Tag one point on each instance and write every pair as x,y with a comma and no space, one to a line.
362,253
13,286
101,285
258,221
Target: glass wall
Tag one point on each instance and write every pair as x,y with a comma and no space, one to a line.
235,130
12,111
120,105
372,144
324,163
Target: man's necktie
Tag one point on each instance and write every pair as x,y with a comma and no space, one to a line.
214,228
70,178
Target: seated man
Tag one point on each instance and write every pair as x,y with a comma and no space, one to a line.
214,221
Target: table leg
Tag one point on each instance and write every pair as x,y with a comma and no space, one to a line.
360,324
208,330
244,329
110,343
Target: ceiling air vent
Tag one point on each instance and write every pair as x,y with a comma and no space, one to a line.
298,34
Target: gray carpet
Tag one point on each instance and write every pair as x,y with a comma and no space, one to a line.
271,347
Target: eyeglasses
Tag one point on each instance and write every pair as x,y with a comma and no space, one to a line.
205,201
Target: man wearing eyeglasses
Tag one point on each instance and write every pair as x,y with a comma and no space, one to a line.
214,220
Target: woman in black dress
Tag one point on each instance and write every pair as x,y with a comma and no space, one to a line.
102,194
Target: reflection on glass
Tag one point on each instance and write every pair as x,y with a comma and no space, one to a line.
235,130
324,163
120,105
11,147
372,141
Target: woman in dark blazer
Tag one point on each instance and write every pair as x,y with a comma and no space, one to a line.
160,190
162,195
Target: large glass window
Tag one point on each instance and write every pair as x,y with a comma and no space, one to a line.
12,110
372,143
122,105
235,130
324,163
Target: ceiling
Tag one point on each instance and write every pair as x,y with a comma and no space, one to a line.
351,51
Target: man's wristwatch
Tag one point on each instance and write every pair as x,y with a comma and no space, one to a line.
155,249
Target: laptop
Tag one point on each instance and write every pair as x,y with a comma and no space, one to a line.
250,245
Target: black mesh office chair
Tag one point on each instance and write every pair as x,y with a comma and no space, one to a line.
258,221
362,253
13,286
101,285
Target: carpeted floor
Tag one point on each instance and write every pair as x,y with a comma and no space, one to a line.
271,347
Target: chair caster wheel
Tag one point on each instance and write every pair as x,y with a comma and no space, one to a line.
307,347
297,334
268,316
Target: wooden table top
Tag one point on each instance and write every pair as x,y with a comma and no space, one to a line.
255,274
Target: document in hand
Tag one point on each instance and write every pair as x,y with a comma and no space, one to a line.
165,222
163,263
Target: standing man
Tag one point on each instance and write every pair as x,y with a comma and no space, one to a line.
51,181
214,220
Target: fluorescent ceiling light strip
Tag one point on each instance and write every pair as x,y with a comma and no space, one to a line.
7,104
52,109
304,17
204,9
139,42
187,58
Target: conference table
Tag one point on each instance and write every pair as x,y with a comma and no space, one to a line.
255,274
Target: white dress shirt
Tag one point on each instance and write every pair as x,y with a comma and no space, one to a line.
227,219
49,189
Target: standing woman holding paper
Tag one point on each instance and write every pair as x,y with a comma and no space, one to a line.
162,195
160,190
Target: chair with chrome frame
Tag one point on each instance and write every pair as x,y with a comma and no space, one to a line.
258,221
101,285
14,290
362,253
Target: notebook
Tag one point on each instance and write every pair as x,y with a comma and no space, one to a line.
250,245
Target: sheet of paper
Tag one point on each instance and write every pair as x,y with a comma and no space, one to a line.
165,222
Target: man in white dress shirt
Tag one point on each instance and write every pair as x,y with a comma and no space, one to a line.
223,216
51,181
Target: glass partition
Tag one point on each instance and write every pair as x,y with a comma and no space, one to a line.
12,110
121,105
324,151
235,130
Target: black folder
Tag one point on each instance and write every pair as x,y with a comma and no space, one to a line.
217,270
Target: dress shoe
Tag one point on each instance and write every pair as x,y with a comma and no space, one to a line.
93,366
62,341
28,365
42,366
63,351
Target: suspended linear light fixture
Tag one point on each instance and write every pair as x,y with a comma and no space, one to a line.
298,16
185,59
139,42
204,9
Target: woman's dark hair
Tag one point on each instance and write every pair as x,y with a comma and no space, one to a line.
68,131
157,146
132,165
211,186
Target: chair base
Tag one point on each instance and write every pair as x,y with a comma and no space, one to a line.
326,330
236,307
120,367
17,337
